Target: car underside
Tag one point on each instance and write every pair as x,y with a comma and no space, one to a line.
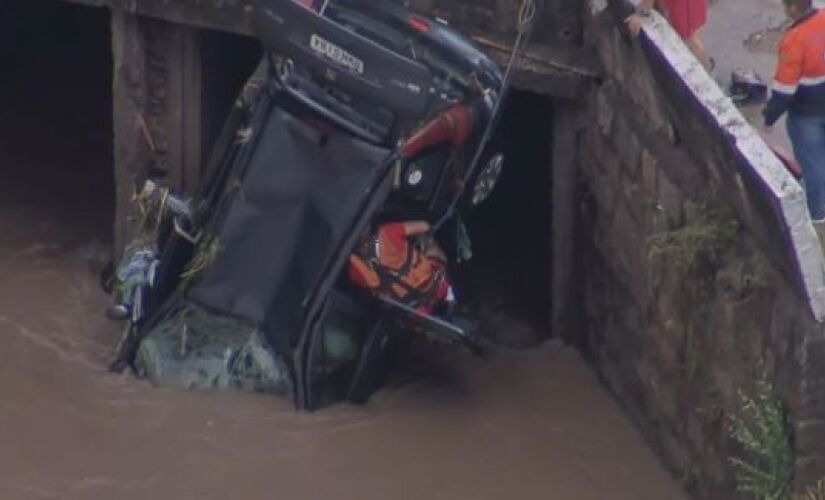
365,129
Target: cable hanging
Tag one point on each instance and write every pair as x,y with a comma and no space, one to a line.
526,23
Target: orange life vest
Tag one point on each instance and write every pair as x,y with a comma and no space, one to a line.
391,265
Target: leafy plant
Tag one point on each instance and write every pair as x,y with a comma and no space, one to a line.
699,242
206,255
766,468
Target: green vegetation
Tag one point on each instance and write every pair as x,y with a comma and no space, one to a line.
766,468
150,209
206,254
744,277
698,244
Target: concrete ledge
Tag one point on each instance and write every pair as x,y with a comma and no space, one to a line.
756,161
234,16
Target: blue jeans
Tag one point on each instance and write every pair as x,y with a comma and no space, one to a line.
807,135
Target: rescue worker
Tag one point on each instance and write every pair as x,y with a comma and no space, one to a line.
400,262
799,89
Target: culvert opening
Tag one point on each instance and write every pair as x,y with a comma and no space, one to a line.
228,60
55,123
507,285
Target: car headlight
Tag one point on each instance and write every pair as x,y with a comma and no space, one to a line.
487,179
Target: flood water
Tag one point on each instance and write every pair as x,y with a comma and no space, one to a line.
527,425
520,425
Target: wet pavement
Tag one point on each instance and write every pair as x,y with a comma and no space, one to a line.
745,34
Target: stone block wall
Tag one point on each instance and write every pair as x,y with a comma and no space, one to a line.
690,294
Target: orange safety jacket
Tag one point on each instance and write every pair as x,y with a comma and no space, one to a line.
799,84
391,265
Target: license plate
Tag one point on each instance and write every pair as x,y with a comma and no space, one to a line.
337,54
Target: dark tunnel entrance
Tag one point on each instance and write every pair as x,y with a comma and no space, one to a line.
55,123
507,285
56,116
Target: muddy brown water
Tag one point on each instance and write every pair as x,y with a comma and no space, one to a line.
519,425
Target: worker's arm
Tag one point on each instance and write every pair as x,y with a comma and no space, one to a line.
634,21
786,81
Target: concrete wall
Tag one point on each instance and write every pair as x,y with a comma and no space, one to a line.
699,270
173,87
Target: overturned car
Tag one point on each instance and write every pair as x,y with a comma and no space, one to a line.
329,219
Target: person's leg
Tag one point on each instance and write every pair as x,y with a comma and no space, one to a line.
808,138
697,16
697,46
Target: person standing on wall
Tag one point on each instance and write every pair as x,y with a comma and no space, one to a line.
687,17
799,89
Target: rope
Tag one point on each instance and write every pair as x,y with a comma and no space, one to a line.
526,17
